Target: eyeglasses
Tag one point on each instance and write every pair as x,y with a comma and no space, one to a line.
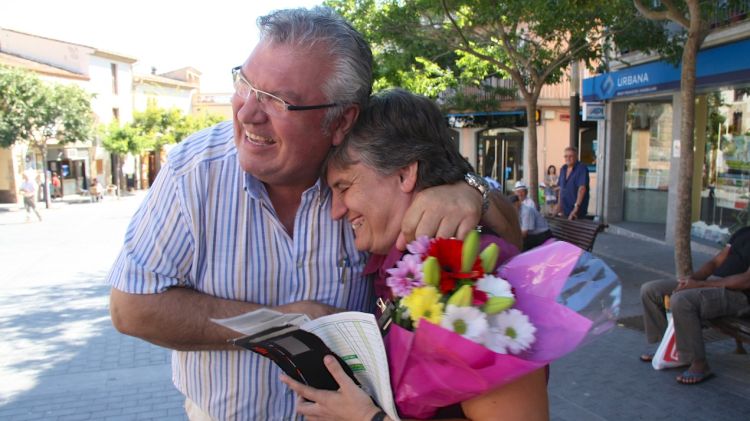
269,103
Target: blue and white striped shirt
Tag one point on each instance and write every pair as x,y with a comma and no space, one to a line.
207,225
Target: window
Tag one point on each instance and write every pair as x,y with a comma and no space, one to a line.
737,123
116,114
113,67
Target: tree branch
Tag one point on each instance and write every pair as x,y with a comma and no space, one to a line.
520,62
455,24
675,15
672,13
648,13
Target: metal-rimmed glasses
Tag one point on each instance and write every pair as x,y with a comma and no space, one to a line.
269,103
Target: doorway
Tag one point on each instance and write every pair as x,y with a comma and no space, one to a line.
500,156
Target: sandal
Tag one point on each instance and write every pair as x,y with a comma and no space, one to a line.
693,377
647,358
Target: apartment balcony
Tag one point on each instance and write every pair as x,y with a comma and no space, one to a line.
496,93
727,13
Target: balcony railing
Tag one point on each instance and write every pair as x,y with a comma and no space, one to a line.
495,91
728,12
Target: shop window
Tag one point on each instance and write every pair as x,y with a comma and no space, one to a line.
726,169
648,143
588,147
647,146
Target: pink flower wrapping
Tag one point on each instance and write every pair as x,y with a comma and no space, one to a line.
433,367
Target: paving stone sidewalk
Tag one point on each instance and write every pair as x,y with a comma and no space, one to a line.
60,357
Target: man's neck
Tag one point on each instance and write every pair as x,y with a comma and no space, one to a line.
286,201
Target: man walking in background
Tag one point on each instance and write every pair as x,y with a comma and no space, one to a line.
28,191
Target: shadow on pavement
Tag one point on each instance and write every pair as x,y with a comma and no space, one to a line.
62,357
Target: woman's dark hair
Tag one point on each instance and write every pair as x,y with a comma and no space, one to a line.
551,167
398,128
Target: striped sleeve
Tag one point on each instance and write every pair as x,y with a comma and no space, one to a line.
159,247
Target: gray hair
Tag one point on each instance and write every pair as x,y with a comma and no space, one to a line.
351,81
396,129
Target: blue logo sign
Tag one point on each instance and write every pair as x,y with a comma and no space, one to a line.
728,63
608,86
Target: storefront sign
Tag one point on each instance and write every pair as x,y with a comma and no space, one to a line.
723,64
593,111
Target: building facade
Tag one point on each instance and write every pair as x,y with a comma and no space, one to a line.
174,89
106,75
213,103
639,112
497,142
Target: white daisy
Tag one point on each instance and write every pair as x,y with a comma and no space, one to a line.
469,322
495,287
510,332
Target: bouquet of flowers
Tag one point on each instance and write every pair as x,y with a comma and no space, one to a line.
461,327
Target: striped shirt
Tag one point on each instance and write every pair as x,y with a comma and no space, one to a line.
208,225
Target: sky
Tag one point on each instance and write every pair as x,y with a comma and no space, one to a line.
211,36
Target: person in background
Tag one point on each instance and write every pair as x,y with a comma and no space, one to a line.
573,196
522,192
550,190
96,190
721,287
28,191
56,186
534,227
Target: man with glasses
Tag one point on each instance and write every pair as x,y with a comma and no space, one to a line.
573,195
238,218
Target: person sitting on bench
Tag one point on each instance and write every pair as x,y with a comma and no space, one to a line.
721,287
96,190
534,227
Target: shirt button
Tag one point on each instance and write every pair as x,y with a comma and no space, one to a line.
299,264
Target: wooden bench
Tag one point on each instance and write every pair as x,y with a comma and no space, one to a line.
580,232
736,327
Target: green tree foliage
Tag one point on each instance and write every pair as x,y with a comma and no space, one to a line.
36,112
153,128
150,130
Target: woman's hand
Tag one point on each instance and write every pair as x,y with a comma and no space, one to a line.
349,403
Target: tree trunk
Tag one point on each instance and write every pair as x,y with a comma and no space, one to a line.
533,173
121,181
43,151
683,216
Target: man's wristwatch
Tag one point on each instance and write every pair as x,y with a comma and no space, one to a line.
479,183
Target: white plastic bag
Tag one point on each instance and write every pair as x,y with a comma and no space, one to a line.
666,355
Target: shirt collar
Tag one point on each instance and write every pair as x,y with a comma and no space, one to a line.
257,190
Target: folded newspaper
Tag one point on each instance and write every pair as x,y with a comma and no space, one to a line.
353,336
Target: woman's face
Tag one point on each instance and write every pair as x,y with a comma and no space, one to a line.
373,203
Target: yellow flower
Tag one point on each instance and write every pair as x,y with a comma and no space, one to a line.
424,303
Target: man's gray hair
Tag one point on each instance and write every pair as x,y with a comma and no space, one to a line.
396,129
351,81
